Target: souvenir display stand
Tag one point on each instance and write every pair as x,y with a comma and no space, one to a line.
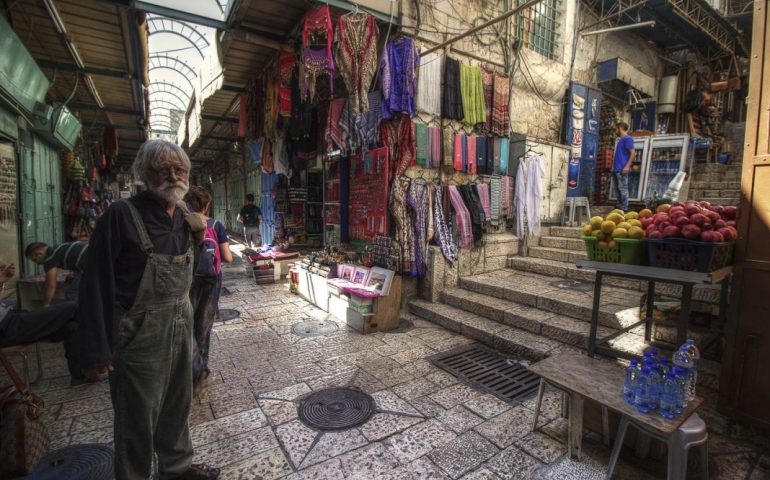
385,311
312,283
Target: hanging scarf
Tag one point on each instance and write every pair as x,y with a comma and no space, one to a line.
457,161
356,56
507,188
472,92
286,63
333,125
442,236
316,61
463,219
487,80
490,155
471,155
436,143
481,155
451,100
398,135
500,106
429,83
399,77
418,201
421,136
404,224
474,209
495,200
504,147
483,190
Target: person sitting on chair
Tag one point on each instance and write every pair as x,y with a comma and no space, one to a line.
56,323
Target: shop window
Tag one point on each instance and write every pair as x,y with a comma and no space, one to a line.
537,27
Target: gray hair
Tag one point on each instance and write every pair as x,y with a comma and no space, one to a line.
153,154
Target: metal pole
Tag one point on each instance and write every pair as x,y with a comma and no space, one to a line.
650,23
484,25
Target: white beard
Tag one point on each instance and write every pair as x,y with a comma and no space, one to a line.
170,192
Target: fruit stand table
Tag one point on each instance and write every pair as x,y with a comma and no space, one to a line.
651,274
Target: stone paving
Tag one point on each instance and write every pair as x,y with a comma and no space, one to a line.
428,425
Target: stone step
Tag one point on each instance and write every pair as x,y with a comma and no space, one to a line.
565,232
575,244
619,308
698,185
707,294
735,201
557,254
696,193
718,167
717,177
497,335
546,324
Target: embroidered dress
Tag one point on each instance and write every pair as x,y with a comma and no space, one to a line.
500,106
404,223
399,77
451,99
442,235
418,200
463,219
429,83
287,60
317,32
398,136
356,56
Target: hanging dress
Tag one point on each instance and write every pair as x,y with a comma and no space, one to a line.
399,78
317,32
356,56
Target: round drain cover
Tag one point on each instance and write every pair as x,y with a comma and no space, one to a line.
226,314
573,285
314,328
77,462
333,409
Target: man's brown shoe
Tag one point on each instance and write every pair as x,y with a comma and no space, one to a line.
200,471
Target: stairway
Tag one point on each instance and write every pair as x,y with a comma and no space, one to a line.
716,183
542,303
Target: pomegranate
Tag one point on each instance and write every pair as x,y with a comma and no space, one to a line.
660,218
730,213
672,231
734,232
654,234
692,209
719,224
646,222
718,209
704,204
691,232
707,236
676,209
698,219
726,233
651,228
707,226
681,220
731,223
713,216
718,237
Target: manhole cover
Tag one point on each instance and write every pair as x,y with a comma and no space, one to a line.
77,462
314,328
226,314
573,285
333,409
489,371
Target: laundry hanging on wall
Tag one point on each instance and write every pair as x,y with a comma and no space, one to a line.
398,73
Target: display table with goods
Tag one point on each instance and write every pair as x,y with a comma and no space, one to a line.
686,244
585,378
367,299
270,265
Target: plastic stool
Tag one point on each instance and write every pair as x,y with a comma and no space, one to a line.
572,204
691,433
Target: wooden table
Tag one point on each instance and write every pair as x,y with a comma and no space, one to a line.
651,275
601,381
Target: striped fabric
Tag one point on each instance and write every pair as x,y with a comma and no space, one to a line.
463,218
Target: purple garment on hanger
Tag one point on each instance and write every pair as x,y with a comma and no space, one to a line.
398,70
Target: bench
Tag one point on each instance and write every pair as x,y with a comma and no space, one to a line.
583,377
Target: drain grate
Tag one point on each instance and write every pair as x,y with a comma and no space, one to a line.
314,328
573,285
334,409
77,462
489,371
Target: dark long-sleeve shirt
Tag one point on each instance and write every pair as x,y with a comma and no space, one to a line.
114,266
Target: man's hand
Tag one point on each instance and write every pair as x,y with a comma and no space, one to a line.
93,374
625,170
7,272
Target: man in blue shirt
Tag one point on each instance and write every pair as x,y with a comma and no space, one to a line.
67,256
621,164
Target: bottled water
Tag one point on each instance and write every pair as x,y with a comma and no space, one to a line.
684,360
668,396
655,383
632,376
695,354
665,367
643,391
679,376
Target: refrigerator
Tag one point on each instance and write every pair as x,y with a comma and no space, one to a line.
638,172
667,156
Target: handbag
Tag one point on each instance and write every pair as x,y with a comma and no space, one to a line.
24,438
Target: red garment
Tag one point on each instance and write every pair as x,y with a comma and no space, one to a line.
356,56
458,153
398,136
316,30
471,162
286,62
500,125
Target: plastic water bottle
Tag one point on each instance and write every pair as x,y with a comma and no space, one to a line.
684,360
657,386
668,394
695,354
632,377
665,367
643,391
679,376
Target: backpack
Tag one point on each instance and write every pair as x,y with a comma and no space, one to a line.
209,263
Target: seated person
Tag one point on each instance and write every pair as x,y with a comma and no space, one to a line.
52,324
67,256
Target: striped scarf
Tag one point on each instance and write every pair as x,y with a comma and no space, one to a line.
463,216
484,197
442,235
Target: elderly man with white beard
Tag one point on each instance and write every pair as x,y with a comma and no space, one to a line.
136,320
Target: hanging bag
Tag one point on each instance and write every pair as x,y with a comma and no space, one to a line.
24,439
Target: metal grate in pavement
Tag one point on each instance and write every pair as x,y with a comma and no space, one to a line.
490,371
81,462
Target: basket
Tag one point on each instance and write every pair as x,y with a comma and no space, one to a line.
629,251
689,255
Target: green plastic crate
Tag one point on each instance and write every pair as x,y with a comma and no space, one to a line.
628,251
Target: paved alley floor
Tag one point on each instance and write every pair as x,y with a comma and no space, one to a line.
428,425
